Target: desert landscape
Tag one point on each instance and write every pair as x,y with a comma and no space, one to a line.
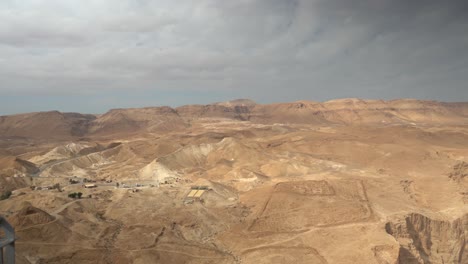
341,181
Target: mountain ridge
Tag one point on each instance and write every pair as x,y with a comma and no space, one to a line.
165,118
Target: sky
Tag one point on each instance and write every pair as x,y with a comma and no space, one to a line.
93,55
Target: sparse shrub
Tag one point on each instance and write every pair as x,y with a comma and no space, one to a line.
75,195
100,215
57,186
5,195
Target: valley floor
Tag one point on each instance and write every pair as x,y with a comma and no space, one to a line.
274,194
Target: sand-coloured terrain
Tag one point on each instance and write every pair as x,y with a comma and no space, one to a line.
344,181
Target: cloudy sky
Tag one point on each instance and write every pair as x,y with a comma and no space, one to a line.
92,55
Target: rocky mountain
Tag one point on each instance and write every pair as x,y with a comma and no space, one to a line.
151,119
45,124
163,119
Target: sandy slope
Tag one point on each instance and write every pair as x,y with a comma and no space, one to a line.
340,186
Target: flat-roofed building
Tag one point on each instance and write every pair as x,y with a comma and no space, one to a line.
198,194
195,193
191,193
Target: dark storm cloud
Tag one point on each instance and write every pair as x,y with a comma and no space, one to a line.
269,50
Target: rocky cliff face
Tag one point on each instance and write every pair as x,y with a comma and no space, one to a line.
426,241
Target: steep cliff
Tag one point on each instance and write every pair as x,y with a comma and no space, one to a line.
427,241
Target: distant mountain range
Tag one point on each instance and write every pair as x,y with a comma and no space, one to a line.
162,119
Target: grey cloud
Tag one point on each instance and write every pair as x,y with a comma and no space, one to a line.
264,49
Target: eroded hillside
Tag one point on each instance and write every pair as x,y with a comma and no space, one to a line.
346,181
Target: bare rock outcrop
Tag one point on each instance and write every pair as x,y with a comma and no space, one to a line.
131,120
460,171
13,172
30,216
427,241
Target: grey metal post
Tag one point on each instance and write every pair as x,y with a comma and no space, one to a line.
7,244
